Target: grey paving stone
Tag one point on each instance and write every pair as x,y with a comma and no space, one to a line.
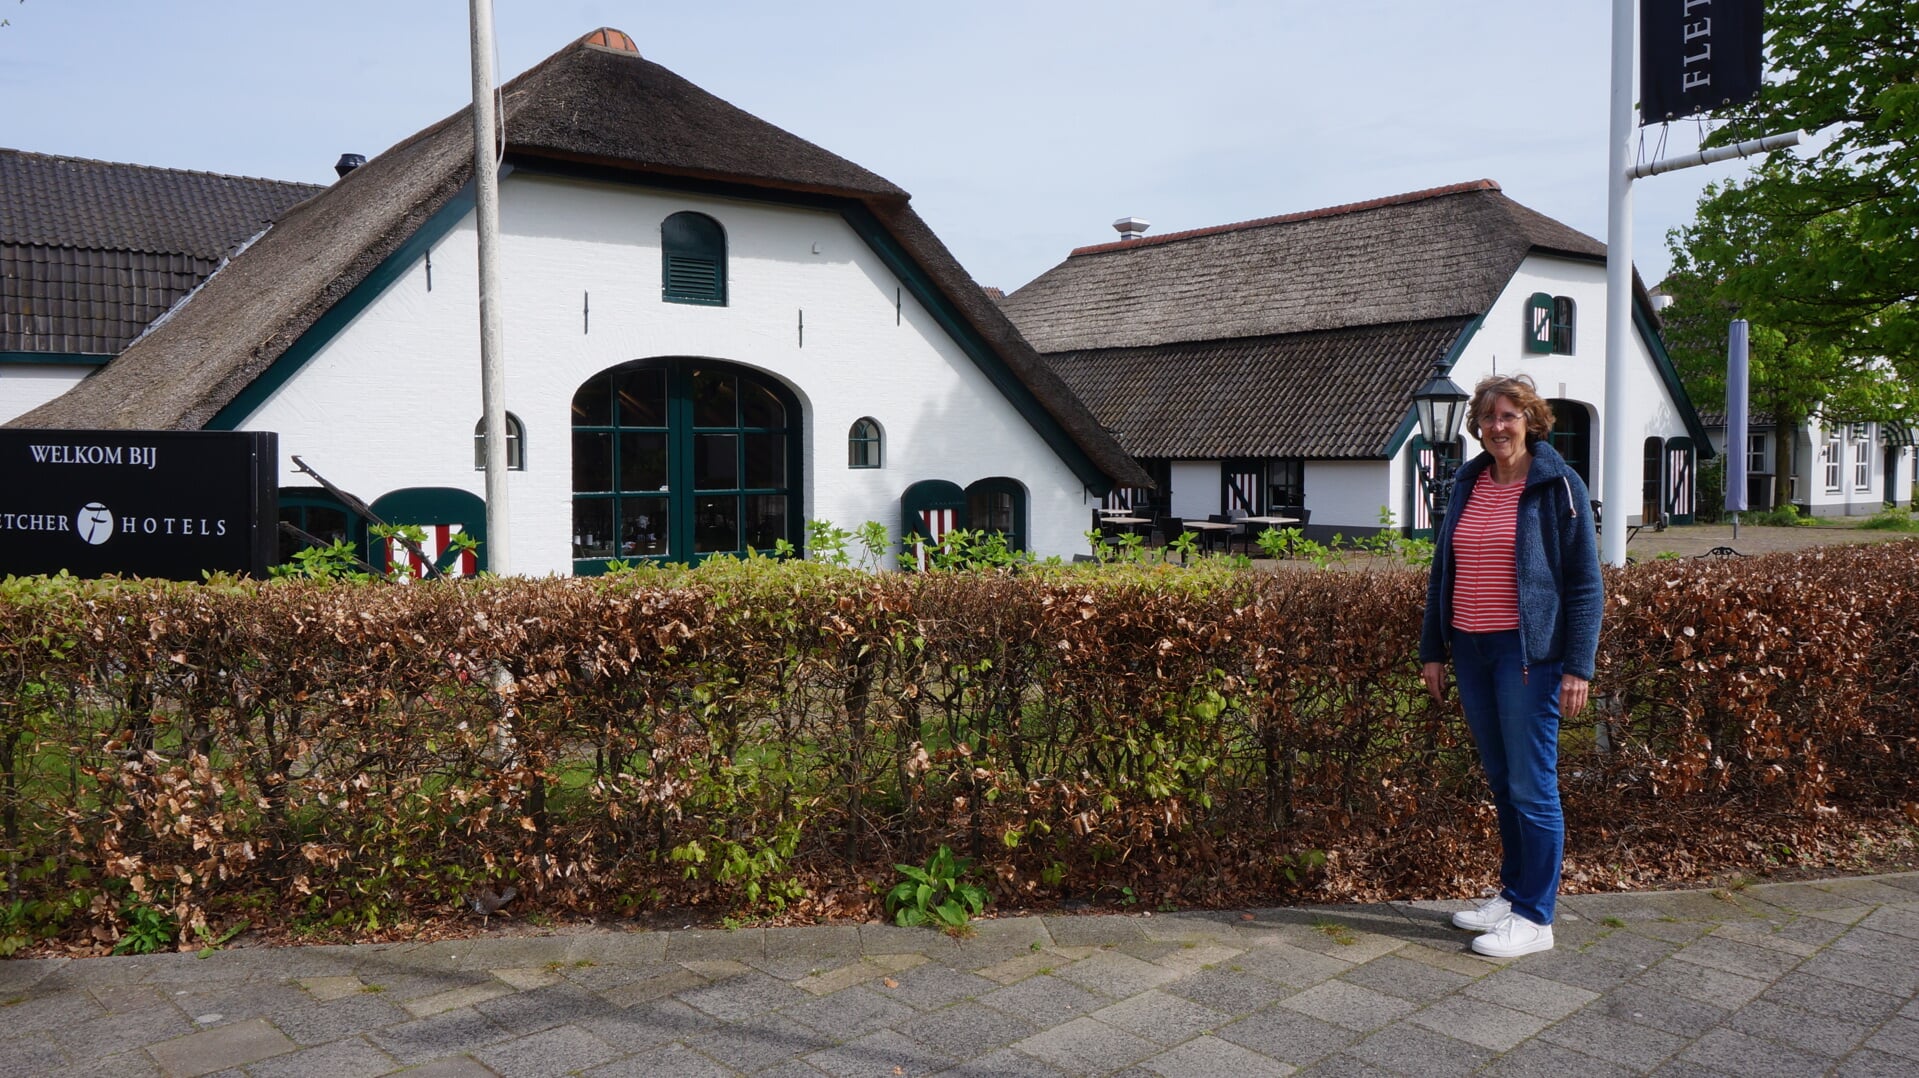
1210,1057
815,942
218,1049
1804,1030
1871,1063
1229,991
1544,1059
743,996
1626,947
1865,891
705,945
1899,1037
526,1012
1594,973
1522,991
1894,920
1348,1005
796,967
662,981
132,1064
1674,933
246,999
19,974
1162,1018
672,1059
352,1057
1599,1035
605,976
1005,1063
1878,974
1660,1010
126,998
318,1022
967,1029
1115,975
114,1033
559,1050
31,1054
1409,980
1833,999
648,1025
760,1042
1700,983
1295,966
884,1052
27,1012
850,1012
1488,1025
1044,1000
1288,1036
793,1068
892,939
1086,1046
1736,1052
1420,1052
1343,1065
932,986
1802,936
443,1034
1744,959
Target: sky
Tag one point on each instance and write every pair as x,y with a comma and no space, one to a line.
1022,129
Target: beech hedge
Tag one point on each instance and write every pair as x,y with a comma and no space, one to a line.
768,738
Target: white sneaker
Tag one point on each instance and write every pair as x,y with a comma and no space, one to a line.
1513,937
1486,917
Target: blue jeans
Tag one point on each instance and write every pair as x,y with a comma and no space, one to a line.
1513,713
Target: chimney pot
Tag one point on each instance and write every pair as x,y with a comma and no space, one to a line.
1131,228
348,162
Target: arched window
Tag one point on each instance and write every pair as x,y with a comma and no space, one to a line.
998,505
693,260
676,459
864,448
1563,325
321,515
515,444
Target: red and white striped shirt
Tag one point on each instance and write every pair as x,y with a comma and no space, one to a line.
1486,567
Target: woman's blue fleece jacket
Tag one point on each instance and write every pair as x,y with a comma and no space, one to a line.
1560,594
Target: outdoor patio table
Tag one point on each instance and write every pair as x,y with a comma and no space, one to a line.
1269,521
1209,529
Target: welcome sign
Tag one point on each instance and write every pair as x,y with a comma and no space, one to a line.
169,504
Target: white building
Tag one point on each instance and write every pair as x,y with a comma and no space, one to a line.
714,332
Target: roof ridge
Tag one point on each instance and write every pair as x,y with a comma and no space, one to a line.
154,168
1290,218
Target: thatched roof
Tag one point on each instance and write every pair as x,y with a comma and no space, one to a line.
91,252
588,104
1440,253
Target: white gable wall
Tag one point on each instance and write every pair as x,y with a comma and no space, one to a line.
392,400
26,386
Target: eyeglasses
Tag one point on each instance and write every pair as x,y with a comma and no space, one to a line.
1503,419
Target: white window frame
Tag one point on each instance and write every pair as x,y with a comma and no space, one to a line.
1757,449
1861,459
1829,456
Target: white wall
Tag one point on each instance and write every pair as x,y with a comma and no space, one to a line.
26,386
1345,495
1850,499
1195,488
392,400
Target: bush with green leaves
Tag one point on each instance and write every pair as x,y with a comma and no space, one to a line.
936,895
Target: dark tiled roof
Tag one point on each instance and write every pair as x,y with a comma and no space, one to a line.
1441,253
1332,394
587,104
91,252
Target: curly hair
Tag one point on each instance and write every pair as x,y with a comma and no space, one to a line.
1519,389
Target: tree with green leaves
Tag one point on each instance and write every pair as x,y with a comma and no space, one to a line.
1819,250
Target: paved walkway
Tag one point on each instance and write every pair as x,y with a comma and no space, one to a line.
1772,979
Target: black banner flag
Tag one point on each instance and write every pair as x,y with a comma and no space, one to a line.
1696,56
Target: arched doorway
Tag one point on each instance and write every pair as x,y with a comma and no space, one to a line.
679,459
1572,436
998,505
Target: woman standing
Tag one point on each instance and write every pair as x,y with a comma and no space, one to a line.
1514,599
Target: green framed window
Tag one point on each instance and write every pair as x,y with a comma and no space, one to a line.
515,444
864,446
321,515
998,504
680,459
693,260
1562,331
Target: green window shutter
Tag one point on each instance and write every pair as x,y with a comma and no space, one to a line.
1539,323
693,266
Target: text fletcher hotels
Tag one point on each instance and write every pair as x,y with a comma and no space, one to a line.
172,504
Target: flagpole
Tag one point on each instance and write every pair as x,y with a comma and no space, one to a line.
1615,492
486,185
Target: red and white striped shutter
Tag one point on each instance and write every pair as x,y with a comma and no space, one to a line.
938,524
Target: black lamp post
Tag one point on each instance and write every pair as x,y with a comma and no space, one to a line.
1441,405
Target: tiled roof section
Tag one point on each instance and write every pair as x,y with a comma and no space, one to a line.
1326,395
53,201
92,252
1444,253
69,301
1289,218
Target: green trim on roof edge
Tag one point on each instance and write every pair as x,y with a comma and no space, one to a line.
1411,420
336,317
1662,362
57,359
